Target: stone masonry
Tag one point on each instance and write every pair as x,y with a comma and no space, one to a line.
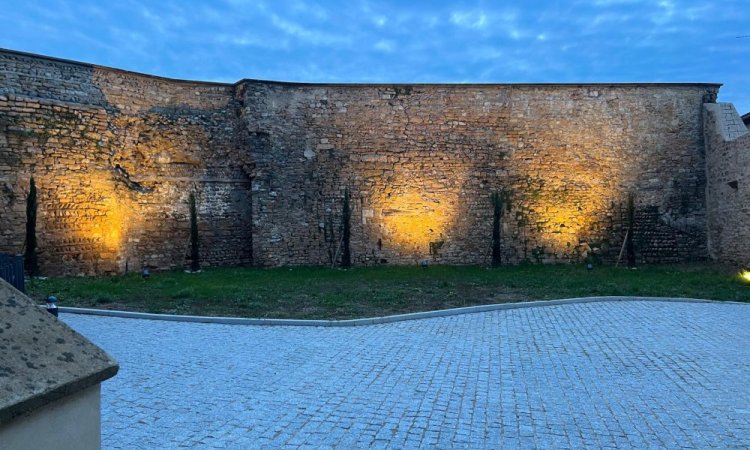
115,155
728,193
422,161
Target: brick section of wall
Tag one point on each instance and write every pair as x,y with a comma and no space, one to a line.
115,155
728,192
421,163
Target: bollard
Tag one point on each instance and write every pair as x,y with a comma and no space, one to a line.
52,305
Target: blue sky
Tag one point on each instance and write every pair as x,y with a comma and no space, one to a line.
398,41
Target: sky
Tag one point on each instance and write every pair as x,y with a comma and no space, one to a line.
398,41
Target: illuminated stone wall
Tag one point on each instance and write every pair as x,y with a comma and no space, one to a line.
728,193
115,155
422,161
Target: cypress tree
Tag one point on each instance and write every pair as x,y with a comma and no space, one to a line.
630,245
31,262
346,256
194,255
497,212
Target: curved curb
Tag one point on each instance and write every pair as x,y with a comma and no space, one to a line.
375,320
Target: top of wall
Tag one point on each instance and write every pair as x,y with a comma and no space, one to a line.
306,84
729,125
41,358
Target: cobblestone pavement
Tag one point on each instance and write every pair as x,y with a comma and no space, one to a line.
599,375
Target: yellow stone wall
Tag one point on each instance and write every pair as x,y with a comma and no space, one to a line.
116,154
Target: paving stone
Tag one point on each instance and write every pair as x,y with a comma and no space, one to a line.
611,375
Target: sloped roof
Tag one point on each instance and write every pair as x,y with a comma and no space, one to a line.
41,358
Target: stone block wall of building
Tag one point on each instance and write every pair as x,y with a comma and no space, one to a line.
728,192
115,155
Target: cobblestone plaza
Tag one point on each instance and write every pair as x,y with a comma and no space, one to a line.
633,374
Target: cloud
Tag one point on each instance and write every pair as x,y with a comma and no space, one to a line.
250,40
311,36
476,20
607,3
609,19
490,23
385,45
485,53
379,20
665,13
164,23
310,10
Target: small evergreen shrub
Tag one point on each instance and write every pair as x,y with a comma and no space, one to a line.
31,262
346,215
194,253
630,245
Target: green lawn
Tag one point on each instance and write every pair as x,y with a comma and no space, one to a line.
308,292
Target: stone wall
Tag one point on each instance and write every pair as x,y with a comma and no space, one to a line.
422,161
728,193
115,155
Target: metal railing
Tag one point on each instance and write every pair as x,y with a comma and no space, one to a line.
11,270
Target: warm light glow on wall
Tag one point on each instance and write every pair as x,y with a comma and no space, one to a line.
745,275
107,215
575,177
417,208
412,219
564,223
109,229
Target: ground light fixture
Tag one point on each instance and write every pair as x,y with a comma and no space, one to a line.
145,274
52,305
745,274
